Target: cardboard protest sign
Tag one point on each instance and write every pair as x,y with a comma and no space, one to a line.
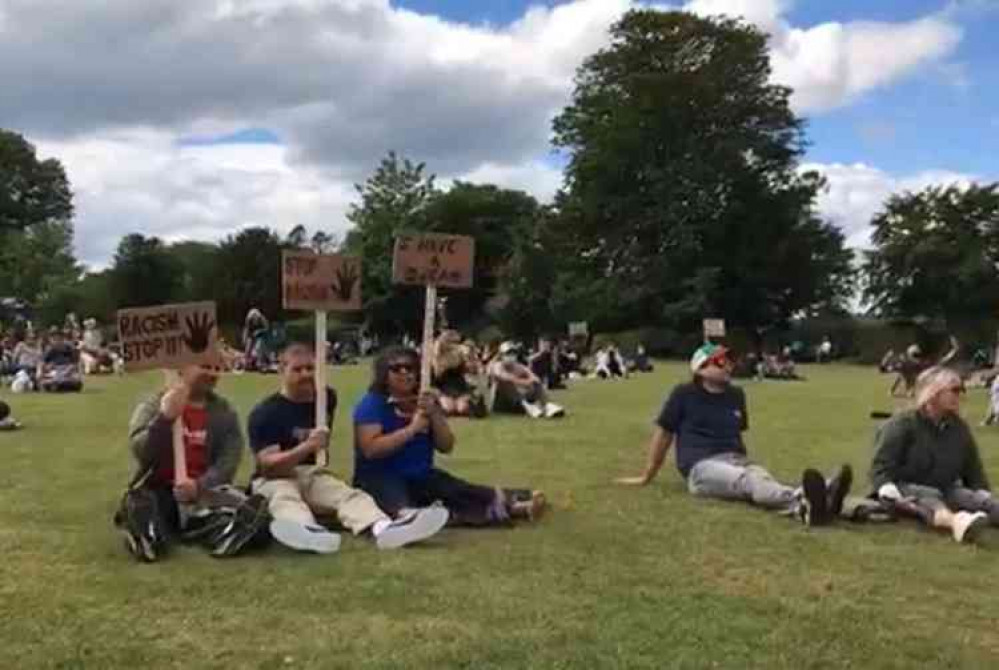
579,329
320,283
169,336
434,260
714,328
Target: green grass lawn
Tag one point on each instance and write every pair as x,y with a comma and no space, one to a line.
612,577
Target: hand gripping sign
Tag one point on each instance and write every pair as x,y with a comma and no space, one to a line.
432,260
320,283
170,337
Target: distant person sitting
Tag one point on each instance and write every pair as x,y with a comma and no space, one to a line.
96,358
927,463
706,419
7,422
889,362
27,357
60,368
516,390
450,367
824,352
641,362
608,363
544,363
913,364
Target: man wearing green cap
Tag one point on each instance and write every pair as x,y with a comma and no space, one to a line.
706,418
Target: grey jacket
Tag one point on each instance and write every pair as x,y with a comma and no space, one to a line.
151,439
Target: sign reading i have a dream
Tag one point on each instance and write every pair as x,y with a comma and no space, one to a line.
434,260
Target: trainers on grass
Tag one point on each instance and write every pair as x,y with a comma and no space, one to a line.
838,487
304,537
968,525
415,526
249,522
814,505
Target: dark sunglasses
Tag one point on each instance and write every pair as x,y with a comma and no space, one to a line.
401,368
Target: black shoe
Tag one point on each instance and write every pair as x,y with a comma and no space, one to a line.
837,489
139,522
250,521
814,509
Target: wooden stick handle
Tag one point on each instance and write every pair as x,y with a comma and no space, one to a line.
179,455
322,458
427,350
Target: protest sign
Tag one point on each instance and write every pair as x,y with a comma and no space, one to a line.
579,329
434,260
714,328
168,336
320,283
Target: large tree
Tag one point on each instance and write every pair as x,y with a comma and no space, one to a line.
683,196
248,274
36,232
144,272
936,254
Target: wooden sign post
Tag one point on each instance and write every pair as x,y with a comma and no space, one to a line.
321,284
432,260
170,337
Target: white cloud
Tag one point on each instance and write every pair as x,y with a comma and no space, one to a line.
341,82
857,192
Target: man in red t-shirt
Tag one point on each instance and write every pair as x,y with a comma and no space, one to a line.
204,503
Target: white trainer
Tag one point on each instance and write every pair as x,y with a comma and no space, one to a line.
533,410
967,525
414,527
304,537
553,411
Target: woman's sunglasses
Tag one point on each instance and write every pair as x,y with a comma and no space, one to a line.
401,368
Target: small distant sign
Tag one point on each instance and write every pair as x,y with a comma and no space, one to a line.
320,282
714,327
440,260
579,329
169,336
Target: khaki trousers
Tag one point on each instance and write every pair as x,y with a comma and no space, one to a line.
315,490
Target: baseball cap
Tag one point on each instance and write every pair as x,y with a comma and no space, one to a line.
704,354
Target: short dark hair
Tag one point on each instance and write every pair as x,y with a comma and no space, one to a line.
380,368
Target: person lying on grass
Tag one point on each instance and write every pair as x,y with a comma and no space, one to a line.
927,464
285,439
706,418
161,507
396,433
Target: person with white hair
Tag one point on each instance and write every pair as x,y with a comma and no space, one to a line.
927,463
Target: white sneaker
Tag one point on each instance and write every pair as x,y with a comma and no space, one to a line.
967,525
416,526
533,410
304,537
553,411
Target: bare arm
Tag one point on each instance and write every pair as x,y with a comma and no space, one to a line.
658,448
274,463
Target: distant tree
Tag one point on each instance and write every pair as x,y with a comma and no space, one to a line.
936,254
144,272
683,196
198,263
248,274
31,191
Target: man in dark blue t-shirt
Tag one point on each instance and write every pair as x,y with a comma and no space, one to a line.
706,419
285,439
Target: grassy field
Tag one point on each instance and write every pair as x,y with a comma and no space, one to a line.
612,578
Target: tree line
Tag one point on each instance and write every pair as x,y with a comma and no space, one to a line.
683,197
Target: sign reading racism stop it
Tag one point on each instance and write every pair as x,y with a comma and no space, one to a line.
320,283
169,336
438,260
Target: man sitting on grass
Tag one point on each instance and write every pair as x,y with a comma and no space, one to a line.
285,440
927,464
706,417
160,506
516,389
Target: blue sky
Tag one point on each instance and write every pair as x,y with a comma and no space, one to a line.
943,118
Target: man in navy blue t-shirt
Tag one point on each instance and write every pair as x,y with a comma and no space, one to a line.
285,439
706,419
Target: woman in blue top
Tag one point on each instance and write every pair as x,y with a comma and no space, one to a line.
396,433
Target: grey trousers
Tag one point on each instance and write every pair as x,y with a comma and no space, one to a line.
928,500
734,477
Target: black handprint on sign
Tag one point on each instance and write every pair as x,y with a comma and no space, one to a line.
346,276
199,328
